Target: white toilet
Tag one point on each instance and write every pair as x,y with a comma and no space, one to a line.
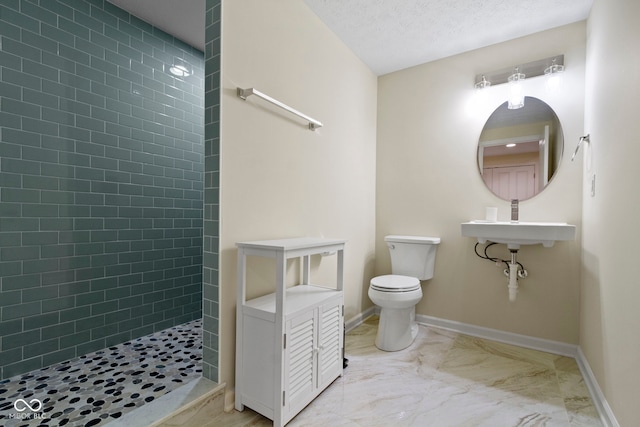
412,260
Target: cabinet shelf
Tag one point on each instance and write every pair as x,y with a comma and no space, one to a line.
298,299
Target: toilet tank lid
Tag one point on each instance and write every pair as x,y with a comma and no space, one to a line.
412,239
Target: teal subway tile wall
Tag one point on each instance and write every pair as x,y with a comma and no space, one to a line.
210,324
101,181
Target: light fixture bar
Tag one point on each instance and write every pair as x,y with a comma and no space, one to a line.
530,69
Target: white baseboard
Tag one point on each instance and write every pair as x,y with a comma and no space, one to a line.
604,410
356,321
549,346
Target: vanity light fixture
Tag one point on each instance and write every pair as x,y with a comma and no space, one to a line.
551,67
516,93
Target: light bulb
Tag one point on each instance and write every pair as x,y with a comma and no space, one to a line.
516,95
554,75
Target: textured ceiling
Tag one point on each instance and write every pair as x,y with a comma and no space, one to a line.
390,35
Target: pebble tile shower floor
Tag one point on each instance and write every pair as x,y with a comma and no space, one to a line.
96,388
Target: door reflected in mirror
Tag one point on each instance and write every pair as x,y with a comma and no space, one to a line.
520,150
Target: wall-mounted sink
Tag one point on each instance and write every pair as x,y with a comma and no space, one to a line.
515,234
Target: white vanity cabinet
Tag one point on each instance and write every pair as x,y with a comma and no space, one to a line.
288,343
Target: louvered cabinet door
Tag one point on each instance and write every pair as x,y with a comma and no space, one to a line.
299,372
330,339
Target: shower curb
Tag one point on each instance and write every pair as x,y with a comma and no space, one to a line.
197,411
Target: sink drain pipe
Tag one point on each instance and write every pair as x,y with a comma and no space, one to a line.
513,276
513,271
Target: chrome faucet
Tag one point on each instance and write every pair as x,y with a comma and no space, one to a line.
514,210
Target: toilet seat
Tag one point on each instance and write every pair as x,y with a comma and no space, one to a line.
395,283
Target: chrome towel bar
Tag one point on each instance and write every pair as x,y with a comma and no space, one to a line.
244,93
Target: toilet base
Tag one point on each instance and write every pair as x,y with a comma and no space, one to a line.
397,328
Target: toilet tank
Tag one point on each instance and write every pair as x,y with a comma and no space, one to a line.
413,256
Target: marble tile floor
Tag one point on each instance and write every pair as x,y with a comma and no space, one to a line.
103,386
444,379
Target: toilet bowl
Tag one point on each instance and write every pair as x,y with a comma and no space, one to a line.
412,260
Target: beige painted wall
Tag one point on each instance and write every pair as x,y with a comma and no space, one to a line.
278,179
610,318
429,122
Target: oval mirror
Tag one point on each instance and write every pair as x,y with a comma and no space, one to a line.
519,150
